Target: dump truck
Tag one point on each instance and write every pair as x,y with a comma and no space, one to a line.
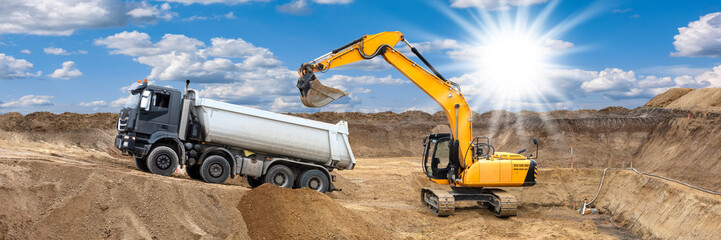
215,140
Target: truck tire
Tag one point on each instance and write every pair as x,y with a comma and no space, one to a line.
254,182
194,172
162,161
314,179
215,169
280,175
142,164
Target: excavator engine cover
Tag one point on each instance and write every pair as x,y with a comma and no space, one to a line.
315,94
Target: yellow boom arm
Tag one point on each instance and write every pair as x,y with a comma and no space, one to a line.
446,93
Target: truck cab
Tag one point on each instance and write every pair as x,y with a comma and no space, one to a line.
150,115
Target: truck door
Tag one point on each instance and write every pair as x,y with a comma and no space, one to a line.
158,116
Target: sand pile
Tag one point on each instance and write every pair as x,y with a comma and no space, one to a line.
49,122
272,212
66,200
705,99
90,131
666,98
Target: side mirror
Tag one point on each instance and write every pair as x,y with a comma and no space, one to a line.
521,151
534,141
145,101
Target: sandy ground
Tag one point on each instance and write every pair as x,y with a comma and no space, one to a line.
61,178
49,194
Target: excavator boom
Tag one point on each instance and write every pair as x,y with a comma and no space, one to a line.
446,93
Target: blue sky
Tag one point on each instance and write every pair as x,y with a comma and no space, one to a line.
78,55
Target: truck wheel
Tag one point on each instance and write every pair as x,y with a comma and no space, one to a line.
254,182
215,169
142,164
314,179
280,175
194,172
162,160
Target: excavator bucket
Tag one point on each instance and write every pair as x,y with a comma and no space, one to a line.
315,94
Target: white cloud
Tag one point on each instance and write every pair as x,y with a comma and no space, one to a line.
119,102
344,82
195,18
28,101
610,79
55,51
25,51
138,44
332,1
361,90
619,84
149,12
229,69
64,17
68,71
206,2
11,68
713,78
229,15
285,104
557,44
373,64
98,103
701,38
301,7
432,46
178,57
625,10
494,4
297,7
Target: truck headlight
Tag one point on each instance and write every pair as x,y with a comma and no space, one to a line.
125,144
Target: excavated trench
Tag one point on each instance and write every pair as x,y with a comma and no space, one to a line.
63,179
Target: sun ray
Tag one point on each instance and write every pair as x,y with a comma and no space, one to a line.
511,53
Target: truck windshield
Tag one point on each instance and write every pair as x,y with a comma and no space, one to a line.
132,101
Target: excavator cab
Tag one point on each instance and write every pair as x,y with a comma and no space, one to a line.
436,156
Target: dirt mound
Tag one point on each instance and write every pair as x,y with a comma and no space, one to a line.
49,122
699,99
44,199
279,213
703,99
656,209
666,98
70,130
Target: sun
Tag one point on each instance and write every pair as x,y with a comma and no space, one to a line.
510,58
513,60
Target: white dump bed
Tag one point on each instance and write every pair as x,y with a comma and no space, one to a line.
262,131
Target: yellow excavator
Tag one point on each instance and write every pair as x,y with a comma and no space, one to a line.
469,165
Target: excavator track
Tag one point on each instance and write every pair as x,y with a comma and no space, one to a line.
502,204
439,201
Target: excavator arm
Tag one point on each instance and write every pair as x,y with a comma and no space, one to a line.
446,93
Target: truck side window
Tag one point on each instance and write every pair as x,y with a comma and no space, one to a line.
161,100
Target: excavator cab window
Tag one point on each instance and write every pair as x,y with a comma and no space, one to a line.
437,158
